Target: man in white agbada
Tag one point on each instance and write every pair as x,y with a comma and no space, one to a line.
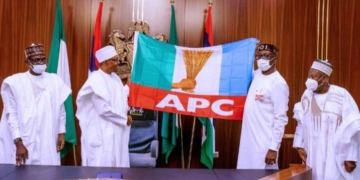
124,73
328,125
102,112
265,116
33,121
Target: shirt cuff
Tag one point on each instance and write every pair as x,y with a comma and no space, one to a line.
351,157
298,143
352,154
62,129
15,133
274,146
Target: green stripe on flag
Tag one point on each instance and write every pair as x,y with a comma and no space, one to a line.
156,67
173,33
58,35
58,63
207,148
169,127
169,134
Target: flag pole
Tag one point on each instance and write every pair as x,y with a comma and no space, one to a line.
182,142
74,152
191,142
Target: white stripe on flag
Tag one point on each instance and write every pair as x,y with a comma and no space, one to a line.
177,120
63,64
212,124
203,135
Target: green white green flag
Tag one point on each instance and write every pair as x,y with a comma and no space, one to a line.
170,128
59,64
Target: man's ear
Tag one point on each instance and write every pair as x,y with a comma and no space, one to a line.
27,62
274,61
327,79
106,63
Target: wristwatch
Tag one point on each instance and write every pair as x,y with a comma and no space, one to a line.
17,140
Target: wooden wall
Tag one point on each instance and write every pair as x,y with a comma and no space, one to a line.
290,24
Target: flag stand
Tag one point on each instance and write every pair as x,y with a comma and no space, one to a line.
74,152
191,142
182,144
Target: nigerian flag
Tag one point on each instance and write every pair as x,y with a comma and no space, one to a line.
208,131
170,124
207,142
58,63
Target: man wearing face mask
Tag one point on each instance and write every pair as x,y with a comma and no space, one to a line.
33,121
265,116
328,126
102,107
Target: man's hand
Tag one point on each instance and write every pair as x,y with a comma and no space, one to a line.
271,157
187,83
60,142
21,153
302,154
129,120
128,82
184,84
349,166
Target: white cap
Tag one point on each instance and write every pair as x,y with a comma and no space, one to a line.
323,66
105,53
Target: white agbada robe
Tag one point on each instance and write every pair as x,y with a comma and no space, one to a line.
33,111
328,129
102,112
264,120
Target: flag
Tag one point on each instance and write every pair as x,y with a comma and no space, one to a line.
96,40
207,143
173,34
208,34
170,125
169,134
208,130
59,64
206,82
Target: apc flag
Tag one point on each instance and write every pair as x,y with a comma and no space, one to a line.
206,82
96,40
59,64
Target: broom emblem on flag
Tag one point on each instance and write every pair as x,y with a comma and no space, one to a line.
194,61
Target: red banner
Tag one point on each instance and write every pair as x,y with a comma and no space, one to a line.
215,106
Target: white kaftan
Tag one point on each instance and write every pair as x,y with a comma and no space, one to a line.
102,112
328,126
264,120
33,111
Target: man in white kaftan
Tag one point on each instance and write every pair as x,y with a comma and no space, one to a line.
328,126
102,112
33,121
265,116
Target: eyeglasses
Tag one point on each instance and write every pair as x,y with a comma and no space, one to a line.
264,56
38,60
